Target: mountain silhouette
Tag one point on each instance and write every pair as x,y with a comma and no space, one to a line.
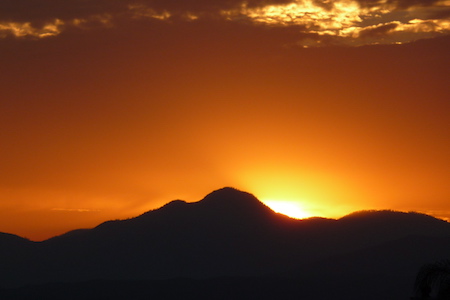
231,234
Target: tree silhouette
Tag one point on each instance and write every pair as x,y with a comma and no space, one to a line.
433,281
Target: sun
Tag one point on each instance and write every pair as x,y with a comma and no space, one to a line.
291,209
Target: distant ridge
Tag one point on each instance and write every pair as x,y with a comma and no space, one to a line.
227,233
387,213
8,237
393,224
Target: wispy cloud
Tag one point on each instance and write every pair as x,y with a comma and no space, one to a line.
80,210
27,30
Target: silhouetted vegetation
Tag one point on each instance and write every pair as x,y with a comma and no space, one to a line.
433,281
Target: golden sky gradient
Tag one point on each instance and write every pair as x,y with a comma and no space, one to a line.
112,108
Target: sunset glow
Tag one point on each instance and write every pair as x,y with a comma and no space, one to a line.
109,109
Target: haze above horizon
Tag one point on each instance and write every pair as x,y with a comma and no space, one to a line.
236,197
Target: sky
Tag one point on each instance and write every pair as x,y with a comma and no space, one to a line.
109,109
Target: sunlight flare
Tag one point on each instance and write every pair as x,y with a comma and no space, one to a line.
291,209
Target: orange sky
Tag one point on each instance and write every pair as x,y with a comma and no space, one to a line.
108,110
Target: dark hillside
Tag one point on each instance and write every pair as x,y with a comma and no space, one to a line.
232,234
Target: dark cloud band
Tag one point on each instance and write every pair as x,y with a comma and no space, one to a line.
344,22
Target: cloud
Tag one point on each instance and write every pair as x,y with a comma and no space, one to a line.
356,23
27,30
377,31
398,4
318,22
80,210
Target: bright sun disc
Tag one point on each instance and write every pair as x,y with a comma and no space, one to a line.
288,208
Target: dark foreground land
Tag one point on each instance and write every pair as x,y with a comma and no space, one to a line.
227,246
219,288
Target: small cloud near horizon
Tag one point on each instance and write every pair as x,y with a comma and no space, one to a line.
81,210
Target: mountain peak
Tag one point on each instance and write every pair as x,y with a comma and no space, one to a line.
229,198
175,203
229,195
227,192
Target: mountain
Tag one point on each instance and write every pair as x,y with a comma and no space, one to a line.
9,241
231,234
